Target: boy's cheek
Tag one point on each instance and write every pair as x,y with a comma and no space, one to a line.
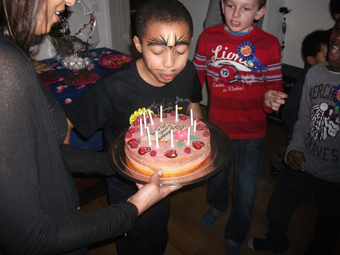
184,63
151,62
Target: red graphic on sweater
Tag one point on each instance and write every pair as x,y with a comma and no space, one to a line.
227,73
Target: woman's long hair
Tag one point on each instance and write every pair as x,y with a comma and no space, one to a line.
18,20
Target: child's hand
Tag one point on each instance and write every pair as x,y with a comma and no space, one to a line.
296,160
196,109
274,99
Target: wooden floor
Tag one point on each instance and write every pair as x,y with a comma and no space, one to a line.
189,237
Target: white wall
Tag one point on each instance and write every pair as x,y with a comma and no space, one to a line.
198,10
102,11
306,16
272,18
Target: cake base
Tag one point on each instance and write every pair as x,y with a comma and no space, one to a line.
140,170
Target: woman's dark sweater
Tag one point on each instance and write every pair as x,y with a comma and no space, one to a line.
38,201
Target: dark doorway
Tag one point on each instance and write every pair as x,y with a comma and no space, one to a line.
134,6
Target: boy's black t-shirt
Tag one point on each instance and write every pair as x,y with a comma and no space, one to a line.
110,102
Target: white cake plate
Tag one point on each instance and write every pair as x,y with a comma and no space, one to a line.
221,150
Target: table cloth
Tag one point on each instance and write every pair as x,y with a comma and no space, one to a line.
65,94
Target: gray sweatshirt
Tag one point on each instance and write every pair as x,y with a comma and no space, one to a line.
316,132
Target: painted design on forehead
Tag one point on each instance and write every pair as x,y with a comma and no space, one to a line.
169,41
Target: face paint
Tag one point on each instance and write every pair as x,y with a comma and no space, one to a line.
171,40
165,52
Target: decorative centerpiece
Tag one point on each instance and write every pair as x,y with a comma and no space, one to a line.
74,35
76,61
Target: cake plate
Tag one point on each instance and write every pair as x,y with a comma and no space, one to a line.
221,150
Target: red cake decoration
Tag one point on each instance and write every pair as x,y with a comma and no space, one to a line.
183,117
134,146
171,154
134,129
133,141
201,127
198,145
187,150
164,115
206,133
143,150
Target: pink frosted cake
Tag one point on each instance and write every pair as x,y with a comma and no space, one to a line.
176,156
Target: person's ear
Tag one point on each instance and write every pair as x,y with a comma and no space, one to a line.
310,60
260,13
137,43
222,6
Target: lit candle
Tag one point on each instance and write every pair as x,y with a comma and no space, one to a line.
144,118
149,137
156,138
195,125
172,138
141,126
176,112
191,118
161,113
188,140
150,116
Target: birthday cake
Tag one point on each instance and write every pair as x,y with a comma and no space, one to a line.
174,143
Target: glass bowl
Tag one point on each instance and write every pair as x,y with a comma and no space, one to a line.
76,61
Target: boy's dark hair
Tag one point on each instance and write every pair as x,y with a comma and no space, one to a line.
311,44
334,7
262,3
165,11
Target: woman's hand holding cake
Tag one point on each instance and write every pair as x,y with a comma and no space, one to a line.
151,193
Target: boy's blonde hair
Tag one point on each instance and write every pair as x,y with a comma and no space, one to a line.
262,3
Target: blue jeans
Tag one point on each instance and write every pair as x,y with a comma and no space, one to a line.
247,159
293,189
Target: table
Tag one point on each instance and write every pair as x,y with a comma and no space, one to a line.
64,94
